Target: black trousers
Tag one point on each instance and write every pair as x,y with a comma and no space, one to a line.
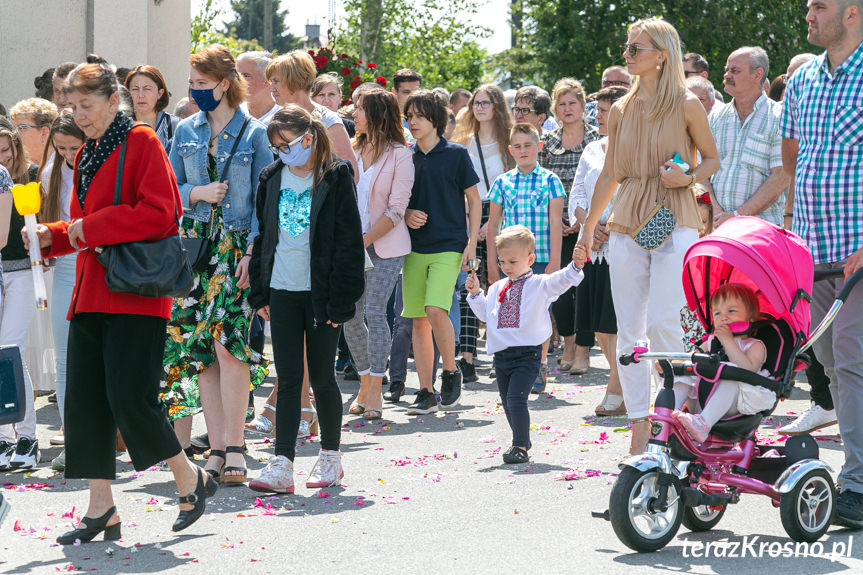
819,384
291,320
563,308
112,382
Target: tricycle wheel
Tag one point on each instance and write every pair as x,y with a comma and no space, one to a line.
703,517
807,510
634,509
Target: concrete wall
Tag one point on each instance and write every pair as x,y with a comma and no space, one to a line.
39,34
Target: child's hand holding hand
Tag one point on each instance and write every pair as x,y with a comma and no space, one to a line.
471,284
579,255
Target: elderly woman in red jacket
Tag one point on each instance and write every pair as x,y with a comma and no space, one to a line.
116,340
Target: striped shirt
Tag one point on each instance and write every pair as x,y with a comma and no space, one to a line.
564,161
524,199
747,153
824,113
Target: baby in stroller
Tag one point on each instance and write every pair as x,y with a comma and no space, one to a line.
730,304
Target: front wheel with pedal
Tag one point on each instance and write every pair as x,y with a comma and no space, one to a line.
636,512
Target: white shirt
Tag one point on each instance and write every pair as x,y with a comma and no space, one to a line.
265,119
589,167
493,164
65,185
363,191
522,318
327,116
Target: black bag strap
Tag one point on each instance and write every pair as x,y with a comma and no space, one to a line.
236,143
482,162
118,182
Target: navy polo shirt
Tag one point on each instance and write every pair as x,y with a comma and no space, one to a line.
440,179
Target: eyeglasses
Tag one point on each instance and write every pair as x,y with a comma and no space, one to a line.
26,126
609,83
482,105
286,148
634,49
516,111
688,73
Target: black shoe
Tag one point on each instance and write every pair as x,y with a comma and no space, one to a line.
385,380
515,455
351,373
450,388
849,509
200,443
92,527
468,371
52,398
395,392
190,453
198,498
424,403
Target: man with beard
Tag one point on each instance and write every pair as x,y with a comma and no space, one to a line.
822,149
750,180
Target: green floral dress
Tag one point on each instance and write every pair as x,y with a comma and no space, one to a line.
215,310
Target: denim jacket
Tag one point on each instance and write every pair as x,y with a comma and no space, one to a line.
188,157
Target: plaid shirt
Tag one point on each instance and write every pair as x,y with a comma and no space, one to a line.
524,199
824,113
564,161
747,153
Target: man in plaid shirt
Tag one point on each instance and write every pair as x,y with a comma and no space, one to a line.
750,180
822,149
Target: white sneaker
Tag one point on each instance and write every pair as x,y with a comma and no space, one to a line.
813,418
327,470
7,450
277,477
27,454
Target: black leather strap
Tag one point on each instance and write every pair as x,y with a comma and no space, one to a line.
234,148
482,162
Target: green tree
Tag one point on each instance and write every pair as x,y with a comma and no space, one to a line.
203,33
248,24
580,38
434,38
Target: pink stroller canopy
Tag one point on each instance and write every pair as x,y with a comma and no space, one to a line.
750,251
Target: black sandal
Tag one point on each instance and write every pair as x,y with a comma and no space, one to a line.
516,455
92,527
198,498
236,478
217,474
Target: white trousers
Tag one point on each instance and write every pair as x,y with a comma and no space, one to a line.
16,313
647,289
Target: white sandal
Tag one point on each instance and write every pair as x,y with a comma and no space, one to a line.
612,404
262,423
308,428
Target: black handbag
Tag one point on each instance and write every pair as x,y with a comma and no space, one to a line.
150,269
198,249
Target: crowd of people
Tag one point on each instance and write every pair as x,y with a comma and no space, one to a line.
402,220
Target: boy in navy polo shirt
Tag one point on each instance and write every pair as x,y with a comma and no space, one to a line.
441,244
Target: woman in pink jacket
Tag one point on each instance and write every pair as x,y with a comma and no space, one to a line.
386,176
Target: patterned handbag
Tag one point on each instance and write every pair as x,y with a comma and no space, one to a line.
658,226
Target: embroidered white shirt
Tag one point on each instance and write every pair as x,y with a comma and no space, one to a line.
520,317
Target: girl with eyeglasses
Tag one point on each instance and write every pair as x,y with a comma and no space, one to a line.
486,137
307,275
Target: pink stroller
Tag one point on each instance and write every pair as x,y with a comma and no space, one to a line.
679,480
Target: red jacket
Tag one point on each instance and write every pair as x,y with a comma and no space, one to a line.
149,209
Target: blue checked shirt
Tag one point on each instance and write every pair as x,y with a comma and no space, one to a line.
524,199
824,113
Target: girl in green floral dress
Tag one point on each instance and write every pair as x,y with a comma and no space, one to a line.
217,155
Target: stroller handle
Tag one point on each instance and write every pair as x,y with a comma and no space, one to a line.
636,357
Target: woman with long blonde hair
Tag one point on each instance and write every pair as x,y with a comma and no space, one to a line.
646,129
485,134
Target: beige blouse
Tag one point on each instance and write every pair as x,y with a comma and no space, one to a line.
641,147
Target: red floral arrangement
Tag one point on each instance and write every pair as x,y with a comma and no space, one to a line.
353,70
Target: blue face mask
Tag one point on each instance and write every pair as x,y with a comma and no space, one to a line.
204,99
296,154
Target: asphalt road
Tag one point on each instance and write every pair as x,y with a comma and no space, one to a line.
424,494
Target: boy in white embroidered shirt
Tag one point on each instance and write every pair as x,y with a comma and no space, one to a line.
517,324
